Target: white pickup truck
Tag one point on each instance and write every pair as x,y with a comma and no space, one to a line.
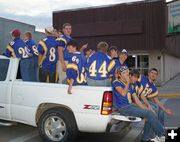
58,115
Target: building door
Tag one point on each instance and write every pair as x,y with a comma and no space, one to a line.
140,62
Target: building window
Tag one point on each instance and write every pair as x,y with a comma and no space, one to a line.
140,62
4,64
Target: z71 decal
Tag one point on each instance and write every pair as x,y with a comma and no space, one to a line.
94,107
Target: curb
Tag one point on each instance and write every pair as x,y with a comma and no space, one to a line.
172,95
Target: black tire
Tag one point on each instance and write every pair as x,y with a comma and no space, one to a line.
67,125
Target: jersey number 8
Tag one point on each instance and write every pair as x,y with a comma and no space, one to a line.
35,50
52,56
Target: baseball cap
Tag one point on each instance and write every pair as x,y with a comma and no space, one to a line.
124,51
15,32
49,30
120,69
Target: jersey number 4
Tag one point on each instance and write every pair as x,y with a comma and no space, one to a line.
102,70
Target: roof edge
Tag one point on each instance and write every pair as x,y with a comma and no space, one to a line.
104,6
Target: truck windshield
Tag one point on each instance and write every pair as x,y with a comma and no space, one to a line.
4,64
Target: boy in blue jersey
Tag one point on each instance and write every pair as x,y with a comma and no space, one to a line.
17,49
149,95
148,91
88,52
75,73
97,66
32,47
57,33
134,75
62,41
123,92
48,56
113,52
121,61
144,90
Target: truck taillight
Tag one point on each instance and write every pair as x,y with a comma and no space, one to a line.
107,103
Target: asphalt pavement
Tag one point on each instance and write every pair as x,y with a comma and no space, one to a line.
171,88
24,133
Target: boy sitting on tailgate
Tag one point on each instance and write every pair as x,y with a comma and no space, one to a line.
76,66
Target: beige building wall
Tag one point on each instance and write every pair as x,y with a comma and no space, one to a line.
167,65
171,67
155,61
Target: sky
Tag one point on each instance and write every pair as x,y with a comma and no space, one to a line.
39,12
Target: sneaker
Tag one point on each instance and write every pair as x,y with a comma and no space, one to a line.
162,139
147,141
158,139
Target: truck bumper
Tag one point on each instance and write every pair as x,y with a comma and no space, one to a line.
117,126
119,122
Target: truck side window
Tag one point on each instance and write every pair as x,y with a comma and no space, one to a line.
4,64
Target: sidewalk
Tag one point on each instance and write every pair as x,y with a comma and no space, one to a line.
171,88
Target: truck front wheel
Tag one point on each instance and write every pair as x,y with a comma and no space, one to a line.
57,125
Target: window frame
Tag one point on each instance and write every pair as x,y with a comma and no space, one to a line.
7,69
141,69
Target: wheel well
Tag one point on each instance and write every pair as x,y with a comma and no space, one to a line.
47,106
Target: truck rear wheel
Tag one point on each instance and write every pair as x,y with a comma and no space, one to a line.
57,125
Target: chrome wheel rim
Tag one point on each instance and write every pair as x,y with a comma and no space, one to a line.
55,128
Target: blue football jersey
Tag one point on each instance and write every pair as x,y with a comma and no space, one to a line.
115,63
97,66
135,88
76,69
8,53
32,47
147,88
62,41
19,48
48,48
120,100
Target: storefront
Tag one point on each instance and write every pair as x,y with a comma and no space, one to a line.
140,62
